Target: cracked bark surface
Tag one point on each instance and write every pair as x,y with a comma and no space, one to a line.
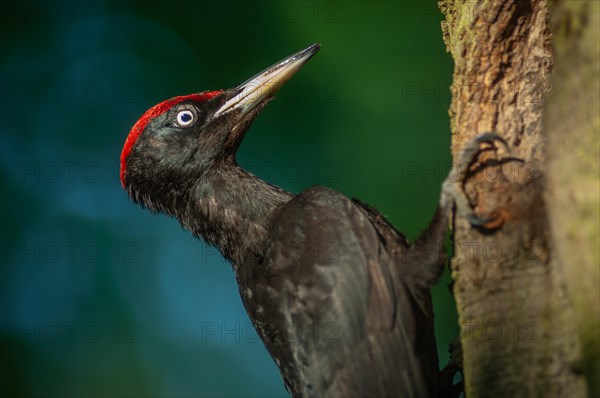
517,321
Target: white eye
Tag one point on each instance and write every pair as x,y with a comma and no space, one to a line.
185,118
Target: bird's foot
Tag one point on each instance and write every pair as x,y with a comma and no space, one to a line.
453,186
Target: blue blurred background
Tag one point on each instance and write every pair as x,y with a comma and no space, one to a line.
99,298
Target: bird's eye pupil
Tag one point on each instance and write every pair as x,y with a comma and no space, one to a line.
184,118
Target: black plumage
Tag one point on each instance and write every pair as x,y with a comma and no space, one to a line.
340,308
339,297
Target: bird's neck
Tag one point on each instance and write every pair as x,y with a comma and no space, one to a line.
232,209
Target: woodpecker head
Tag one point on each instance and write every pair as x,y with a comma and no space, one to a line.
184,139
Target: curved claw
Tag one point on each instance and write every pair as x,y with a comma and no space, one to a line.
477,221
472,149
452,189
490,138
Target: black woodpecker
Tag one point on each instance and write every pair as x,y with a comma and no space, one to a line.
340,298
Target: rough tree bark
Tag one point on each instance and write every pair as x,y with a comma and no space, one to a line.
517,309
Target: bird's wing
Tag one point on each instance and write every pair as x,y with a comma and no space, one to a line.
329,305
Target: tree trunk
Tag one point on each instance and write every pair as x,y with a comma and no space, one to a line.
572,127
516,314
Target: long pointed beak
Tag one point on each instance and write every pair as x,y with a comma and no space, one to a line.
253,91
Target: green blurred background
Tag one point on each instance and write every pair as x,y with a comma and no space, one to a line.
99,298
